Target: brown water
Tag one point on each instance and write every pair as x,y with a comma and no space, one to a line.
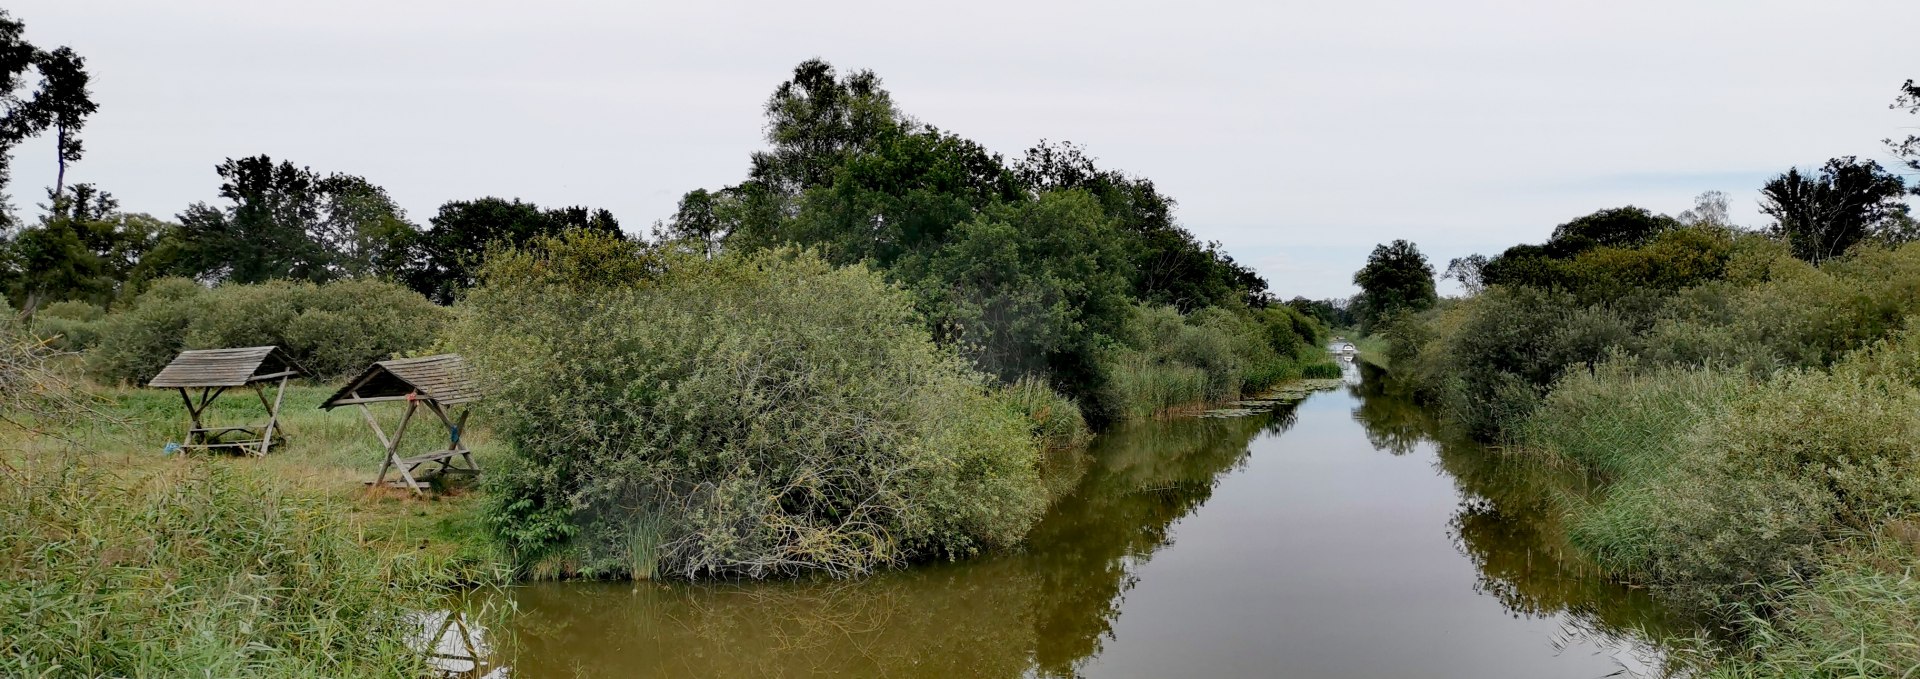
1330,538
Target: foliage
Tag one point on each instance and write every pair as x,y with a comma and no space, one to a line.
84,248
285,221
1855,619
1056,419
1822,216
1166,360
758,430
1027,267
68,326
1395,278
60,103
448,254
1908,150
331,330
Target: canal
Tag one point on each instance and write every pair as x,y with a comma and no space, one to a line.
1332,536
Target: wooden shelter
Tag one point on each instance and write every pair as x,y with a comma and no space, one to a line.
437,384
213,372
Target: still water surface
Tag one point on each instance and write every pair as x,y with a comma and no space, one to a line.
1328,538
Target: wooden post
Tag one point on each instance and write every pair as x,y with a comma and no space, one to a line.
273,414
393,459
193,417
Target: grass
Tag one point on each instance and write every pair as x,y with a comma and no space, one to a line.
119,559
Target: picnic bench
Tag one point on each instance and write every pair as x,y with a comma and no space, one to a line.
435,384
213,372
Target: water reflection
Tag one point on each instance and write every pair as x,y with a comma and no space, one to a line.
1325,558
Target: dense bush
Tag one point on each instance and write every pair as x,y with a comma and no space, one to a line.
330,329
752,414
69,326
1715,487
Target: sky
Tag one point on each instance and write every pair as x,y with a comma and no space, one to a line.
1297,134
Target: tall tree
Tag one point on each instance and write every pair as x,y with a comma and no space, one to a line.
61,102
448,253
1820,216
1396,278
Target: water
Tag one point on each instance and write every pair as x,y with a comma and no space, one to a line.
1330,538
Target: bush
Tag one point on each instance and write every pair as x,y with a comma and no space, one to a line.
69,326
750,415
1714,488
1056,419
332,330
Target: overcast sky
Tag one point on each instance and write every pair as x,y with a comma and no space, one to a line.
1298,134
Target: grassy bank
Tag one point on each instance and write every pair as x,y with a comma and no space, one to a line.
117,559
1741,442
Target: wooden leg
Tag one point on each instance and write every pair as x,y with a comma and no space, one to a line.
193,418
273,414
393,449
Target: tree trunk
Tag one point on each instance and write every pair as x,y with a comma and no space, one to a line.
59,153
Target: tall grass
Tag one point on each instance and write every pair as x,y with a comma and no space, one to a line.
1165,360
194,569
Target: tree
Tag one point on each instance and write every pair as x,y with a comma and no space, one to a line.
1821,216
285,221
1622,227
816,119
1908,150
1396,278
447,255
61,102
1709,209
1468,271
1169,265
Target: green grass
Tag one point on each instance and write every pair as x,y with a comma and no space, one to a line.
117,559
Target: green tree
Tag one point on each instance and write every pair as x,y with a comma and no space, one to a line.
1820,216
1396,278
1169,265
61,102
1622,227
447,254
285,221
1029,287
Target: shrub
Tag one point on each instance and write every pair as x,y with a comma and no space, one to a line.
1056,419
754,415
69,326
331,330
